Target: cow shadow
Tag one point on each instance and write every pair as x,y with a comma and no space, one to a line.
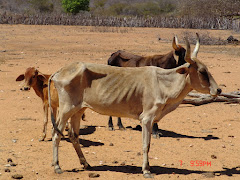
158,170
85,143
165,133
88,130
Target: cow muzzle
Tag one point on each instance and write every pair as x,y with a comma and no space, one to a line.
217,92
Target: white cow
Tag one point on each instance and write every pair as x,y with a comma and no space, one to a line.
144,93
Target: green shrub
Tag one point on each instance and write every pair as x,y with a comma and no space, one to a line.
75,6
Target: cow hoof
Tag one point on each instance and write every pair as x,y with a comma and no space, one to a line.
147,175
156,135
41,139
122,128
58,171
111,128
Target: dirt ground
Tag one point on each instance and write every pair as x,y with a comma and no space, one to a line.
197,142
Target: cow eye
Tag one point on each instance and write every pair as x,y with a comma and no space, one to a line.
203,72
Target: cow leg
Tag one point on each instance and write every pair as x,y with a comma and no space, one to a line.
155,131
110,124
45,121
120,125
56,137
73,135
146,138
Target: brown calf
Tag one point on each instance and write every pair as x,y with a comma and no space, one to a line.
39,82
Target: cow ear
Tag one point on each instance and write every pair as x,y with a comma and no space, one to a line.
41,77
20,77
183,70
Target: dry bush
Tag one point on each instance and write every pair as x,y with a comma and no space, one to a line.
205,38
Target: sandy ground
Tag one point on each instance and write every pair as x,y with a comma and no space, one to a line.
198,142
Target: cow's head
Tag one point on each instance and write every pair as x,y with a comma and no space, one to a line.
179,51
31,76
201,79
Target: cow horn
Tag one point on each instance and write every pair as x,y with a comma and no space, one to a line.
196,49
188,53
175,43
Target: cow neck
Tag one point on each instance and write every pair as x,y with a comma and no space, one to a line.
179,85
188,87
38,88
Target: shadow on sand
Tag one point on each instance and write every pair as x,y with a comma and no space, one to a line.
165,133
157,170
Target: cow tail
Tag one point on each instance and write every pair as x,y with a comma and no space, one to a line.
49,101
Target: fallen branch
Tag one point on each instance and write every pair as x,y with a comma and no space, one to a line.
200,99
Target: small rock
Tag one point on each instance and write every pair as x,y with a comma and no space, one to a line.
93,175
217,174
7,170
123,164
224,167
223,146
213,157
17,176
111,144
231,39
14,140
9,160
13,164
7,165
190,145
115,162
139,154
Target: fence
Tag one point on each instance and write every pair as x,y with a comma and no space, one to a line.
90,20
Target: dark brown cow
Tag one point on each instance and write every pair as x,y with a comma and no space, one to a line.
166,61
39,82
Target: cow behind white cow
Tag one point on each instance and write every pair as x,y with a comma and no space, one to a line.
144,93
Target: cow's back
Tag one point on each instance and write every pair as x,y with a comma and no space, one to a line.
124,59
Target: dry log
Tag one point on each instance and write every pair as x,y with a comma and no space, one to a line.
200,99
